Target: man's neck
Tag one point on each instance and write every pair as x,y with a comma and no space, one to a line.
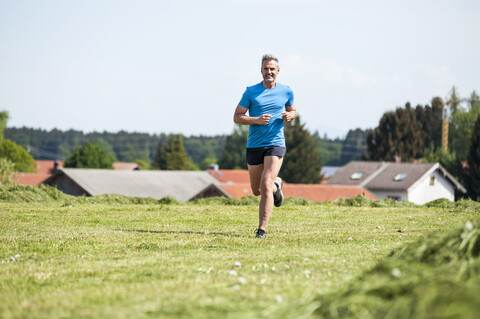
268,85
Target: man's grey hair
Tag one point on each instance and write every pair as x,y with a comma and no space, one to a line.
268,57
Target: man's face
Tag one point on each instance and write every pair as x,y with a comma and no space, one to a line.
270,70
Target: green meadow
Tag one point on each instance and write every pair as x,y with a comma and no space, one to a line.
116,257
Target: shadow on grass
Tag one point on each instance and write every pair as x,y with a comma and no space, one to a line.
178,232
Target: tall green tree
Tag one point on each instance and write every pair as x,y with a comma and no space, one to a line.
90,155
463,122
233,154
398,134
175,154
430,118
3,123
302,163
445,158
472,177
160,160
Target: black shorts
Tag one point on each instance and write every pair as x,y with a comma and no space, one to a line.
255,155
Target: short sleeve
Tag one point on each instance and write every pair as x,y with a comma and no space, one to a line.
290,97
245,101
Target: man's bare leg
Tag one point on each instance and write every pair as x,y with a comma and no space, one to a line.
262,179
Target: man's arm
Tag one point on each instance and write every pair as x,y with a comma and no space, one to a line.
241,117
290,113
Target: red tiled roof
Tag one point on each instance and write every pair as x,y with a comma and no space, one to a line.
236,190
47,166
125,166
321,193
231,175
313,192
30,178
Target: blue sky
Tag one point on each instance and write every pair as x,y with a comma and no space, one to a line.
182,66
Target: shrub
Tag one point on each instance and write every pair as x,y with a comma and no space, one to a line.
6,172
90,155
23,162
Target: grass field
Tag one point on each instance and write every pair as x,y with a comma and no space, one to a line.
104,258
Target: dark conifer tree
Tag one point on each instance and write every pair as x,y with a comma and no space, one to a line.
473,171
399,134
303,163
233,154
160,159
175,154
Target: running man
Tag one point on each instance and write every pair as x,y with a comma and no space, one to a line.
268,104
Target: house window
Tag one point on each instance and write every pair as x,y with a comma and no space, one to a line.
432,180
356,175
399,177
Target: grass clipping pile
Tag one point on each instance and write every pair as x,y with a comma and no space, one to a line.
435,277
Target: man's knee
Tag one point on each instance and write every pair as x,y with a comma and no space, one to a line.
266,187
256,192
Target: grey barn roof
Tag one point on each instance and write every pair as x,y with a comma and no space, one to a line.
342,175
380,175
181,185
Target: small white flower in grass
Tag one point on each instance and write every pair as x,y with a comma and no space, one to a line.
238,264
12,258
263,281
242,280
273,268
350,238
278,298
396,272
307,273
236,287
469,225
233,273
306,259
17,256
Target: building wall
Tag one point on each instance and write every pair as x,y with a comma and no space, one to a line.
66,185
423,192
399,196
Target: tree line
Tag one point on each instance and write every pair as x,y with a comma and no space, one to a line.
142,147
415,134
407,134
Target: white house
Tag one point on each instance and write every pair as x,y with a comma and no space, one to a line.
416,183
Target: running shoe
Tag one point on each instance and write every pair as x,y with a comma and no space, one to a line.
278,195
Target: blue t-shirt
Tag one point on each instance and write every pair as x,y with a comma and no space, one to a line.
259,100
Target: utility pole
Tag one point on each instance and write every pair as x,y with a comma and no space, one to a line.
445,127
